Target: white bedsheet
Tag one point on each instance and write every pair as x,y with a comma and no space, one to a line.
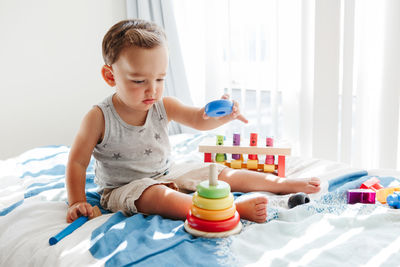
325,232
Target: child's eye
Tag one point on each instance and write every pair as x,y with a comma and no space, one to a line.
160,80
138,81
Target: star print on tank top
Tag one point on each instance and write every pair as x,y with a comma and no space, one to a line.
129,152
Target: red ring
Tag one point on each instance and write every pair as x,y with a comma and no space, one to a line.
212,226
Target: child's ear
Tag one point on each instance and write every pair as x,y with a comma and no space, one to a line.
108,76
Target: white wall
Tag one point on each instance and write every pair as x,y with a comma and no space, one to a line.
50,53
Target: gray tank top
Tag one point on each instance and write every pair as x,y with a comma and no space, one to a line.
129,152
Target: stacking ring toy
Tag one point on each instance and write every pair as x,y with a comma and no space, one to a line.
212,204
212,226
213,215
219,108
222,189
195,232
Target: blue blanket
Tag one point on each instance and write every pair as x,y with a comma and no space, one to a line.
147,240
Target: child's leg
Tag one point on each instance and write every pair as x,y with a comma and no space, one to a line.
162,200
254,208
248,181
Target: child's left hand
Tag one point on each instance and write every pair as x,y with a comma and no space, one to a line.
235,111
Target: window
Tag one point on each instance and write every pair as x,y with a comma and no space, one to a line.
247,49
319,74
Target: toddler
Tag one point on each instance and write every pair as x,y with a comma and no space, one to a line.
128,136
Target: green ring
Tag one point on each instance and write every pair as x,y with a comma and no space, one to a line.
221,190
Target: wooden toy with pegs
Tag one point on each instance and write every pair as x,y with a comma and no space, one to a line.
213,213
252,151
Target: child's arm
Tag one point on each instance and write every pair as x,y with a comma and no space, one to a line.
195,117
89,134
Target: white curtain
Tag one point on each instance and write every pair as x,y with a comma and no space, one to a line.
161,12
356,86
323,75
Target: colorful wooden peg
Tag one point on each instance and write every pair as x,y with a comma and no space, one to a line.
220,157
207,157
269,159
236,142
253,142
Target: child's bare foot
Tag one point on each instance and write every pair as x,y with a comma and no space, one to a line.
295,185
253,208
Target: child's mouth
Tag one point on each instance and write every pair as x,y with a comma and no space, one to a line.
149,101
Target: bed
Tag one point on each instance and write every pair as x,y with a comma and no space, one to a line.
324,232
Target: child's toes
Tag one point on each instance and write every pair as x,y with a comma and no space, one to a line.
261,213
315,181
262,200
314,189
261,218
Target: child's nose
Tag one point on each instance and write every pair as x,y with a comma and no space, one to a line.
151,88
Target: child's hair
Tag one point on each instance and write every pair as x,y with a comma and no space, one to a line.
132,32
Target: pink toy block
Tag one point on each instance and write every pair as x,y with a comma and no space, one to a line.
366,196
372,183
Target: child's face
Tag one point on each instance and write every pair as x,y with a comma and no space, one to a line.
139,75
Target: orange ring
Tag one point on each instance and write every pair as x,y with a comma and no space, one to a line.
213,215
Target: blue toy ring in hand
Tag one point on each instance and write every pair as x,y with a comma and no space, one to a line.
219,108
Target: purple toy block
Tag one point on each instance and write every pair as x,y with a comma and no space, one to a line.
366,196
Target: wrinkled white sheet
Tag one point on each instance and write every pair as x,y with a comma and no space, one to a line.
316,234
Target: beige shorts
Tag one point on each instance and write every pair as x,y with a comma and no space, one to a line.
181,177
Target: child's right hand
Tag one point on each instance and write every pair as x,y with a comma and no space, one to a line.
79,209
235,111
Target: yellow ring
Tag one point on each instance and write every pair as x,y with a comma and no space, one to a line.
213,215
212,204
